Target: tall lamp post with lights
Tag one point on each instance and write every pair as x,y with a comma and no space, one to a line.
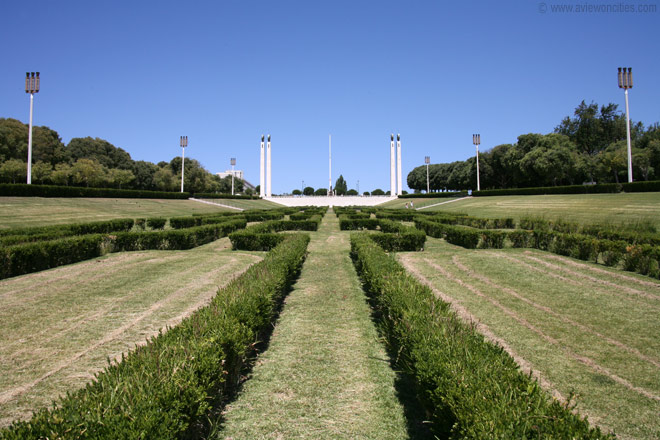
31,87
184,143
625,83
233,162
427,161
476,140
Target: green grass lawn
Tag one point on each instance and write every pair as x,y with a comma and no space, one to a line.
38,211
325,375
616,209
59,326
586,328
246,204
417,202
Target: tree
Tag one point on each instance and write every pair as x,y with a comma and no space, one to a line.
88,172
62,174
308,191
366,193
120,177
257,189
351,192
378,192
164,180
13,171
100,150
47,146
296,192
13,140
340,186
321,192
144,175
41,172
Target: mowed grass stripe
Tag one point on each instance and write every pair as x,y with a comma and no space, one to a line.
324,374
59,340
616,388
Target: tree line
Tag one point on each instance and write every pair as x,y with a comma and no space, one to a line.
94,162
588,147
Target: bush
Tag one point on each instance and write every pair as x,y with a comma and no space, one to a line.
156,222
470,388
24,190
572,189
433,195
167,388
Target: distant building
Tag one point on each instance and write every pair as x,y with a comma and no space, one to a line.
238,174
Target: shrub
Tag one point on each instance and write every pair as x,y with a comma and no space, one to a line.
24,190
156,222
167,388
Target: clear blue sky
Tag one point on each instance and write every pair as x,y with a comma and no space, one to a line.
142,73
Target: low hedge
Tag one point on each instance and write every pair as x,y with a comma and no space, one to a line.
571,189
171,387
471,389
263,236
25,190
353,224
225,196
263,215
32,257
123,224
156,222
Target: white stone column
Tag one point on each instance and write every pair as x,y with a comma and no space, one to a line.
398,165
269,190
262,179
392,167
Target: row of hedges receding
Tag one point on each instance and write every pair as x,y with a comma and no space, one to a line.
171,387
469,387
25,258
465,236
435,195
225,196
264,236
25,190
74,228
394,237
628,187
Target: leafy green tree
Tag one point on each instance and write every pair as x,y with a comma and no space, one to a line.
62,174
47,146
296,192
340,186
308,191
144,175
88,172
366,193
41,172
351,192
120,177
321,192
13,171
13,140
99,150
615,160
378,192
164,180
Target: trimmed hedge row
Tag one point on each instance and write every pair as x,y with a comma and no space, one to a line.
474,222
25,190
101,227
32,257
464,236
173,239
433,195
225,196
650,186
471,389
264,236
172,386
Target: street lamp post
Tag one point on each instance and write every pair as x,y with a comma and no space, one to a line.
625,83
233,162
427,161
31,87
476,140
184,143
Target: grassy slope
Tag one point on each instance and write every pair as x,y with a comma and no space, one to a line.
576,312
417,203
324,374
59,326
37,211
591,208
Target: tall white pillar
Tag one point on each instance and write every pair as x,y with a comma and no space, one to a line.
262,171
398,165
269,190
329,164
392,167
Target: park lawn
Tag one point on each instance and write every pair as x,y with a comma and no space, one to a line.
585,328
60,326
325,375
39,211
626,209
417,202
245,204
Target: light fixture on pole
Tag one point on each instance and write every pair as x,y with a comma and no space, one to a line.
427,161
625,83
476,140
233,162
184,143
31,87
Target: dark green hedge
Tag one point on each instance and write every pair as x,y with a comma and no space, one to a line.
471,389
572,189
171,387
435,195
263,236
156,222
122,224
224,196
25,190
651,186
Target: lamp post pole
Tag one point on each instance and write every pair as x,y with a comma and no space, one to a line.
31,87
233,162
427,161
476,140
625,83
184,143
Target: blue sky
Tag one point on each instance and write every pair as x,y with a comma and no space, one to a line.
142,73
